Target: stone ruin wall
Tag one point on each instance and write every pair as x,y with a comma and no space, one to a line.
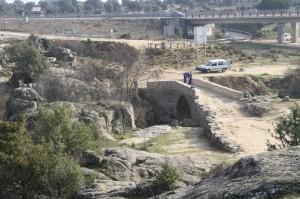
166,94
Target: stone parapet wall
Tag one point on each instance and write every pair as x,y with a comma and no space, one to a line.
214,133
178,86
201,83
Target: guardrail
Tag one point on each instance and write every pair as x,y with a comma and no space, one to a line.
238,31
244,14
189,15
108,16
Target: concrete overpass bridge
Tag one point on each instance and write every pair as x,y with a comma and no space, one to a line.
192,19
279,17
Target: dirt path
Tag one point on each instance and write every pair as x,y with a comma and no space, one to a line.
238,124
140,44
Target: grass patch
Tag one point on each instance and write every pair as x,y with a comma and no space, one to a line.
292,196
161,143
90,178
5,73
122,136
267,83
156,145
259,47
243,53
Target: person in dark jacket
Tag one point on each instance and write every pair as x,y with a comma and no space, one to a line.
190,78
185,75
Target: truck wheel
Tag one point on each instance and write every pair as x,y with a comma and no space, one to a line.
208,71
223,70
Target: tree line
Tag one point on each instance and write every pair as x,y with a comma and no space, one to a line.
18,7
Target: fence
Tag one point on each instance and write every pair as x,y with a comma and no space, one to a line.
169,45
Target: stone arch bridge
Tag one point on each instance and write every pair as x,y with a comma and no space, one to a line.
180,102
176,99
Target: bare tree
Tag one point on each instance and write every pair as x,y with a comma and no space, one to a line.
127,66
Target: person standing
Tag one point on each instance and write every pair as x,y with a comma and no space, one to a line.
190,78
187,77
184,77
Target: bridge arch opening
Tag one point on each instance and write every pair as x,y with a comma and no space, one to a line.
183,110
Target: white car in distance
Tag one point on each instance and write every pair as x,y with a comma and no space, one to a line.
215,65
287,36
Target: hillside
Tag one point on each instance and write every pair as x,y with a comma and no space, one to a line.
134,29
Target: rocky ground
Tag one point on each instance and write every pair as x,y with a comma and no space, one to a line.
266,175
126,171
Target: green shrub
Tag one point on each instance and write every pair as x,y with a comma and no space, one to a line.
287,130
59,129
125,36
29,62
28,170
63,177
290,84
15,148
133,145
166,177
154,51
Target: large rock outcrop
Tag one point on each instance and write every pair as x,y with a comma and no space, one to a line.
129,169
60,84
23,99
266,175
260,105
110,116
62,54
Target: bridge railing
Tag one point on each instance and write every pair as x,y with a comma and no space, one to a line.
244,14
108,16
196,15
238,31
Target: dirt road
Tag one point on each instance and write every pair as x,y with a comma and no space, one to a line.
140,44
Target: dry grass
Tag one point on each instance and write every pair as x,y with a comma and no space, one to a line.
138,28
186,58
